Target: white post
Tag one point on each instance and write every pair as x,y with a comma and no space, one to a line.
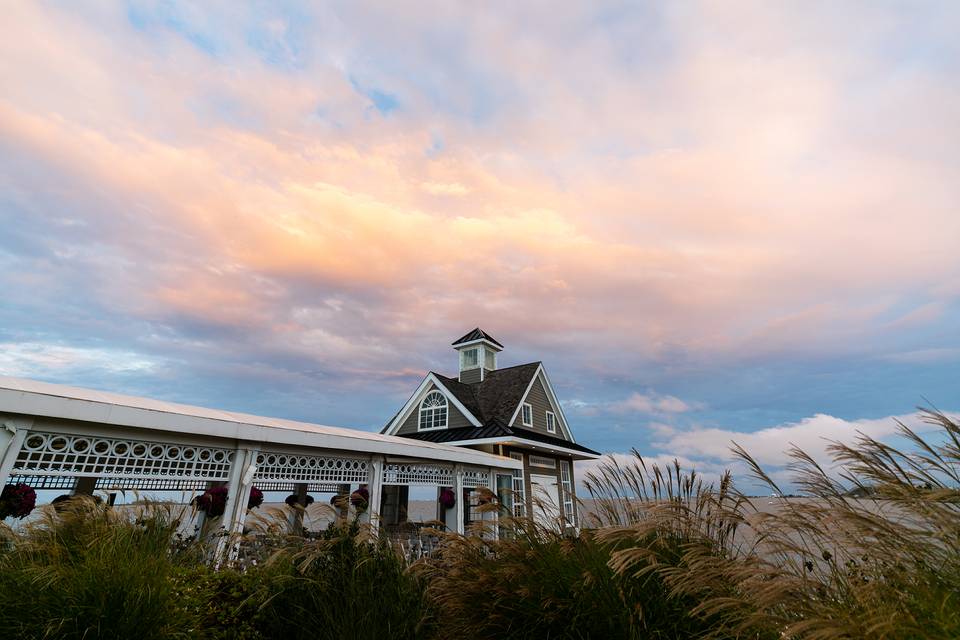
12,434
492,485
375,488
238,491
458,492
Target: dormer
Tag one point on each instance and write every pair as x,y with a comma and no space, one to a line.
477,353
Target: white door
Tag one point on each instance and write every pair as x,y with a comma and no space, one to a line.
546,500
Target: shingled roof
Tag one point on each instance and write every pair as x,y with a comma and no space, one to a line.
498,396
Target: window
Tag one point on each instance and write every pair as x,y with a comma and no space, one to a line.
489,359
567,484
519,506
469,359
540,461
551,422
433,411
526,415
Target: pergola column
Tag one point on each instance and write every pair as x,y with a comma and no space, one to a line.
242,471
375,488
13,431
492,485
458,492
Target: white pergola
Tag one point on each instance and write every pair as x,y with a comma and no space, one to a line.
55,437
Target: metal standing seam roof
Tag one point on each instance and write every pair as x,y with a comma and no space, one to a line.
476,334
35,398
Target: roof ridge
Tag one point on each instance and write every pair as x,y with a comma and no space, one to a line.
514,366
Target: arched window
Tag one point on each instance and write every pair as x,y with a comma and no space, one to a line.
433,411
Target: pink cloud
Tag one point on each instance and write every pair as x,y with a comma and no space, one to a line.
733,224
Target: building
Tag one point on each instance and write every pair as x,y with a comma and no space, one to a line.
511,412
81,441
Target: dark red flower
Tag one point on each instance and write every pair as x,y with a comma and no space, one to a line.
213,502
359,498
17,500
447,498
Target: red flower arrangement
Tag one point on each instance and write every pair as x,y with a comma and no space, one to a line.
213,502
256,498
359,498
17,500
447,498
293,499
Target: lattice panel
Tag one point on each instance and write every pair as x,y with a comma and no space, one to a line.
312,487
151,484
281,467
476,478
418,474
43,482
73,455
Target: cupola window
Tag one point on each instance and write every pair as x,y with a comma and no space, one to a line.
470,358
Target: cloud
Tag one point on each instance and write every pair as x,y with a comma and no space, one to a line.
708,451
37,359
332,193
769,445
651,402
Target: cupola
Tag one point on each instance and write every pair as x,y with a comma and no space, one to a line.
477,354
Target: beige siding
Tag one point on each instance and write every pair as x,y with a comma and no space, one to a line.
454,417
540,402
470,376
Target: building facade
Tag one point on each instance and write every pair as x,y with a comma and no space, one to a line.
511,412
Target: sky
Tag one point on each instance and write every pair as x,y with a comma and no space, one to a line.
712,221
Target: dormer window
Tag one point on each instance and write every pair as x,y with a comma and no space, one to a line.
551,422
490,359
526,415
470,358
433,412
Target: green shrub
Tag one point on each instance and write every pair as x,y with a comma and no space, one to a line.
220,602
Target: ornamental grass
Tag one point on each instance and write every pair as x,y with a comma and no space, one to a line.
871,550
92,572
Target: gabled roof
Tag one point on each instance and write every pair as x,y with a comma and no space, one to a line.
494,400
477,334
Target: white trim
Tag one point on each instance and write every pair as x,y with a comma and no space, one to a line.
464,345
446,411
556,404
547,415
523,420
516,411
395,425
519,508
533,444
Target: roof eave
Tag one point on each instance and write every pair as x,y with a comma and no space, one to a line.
533,444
